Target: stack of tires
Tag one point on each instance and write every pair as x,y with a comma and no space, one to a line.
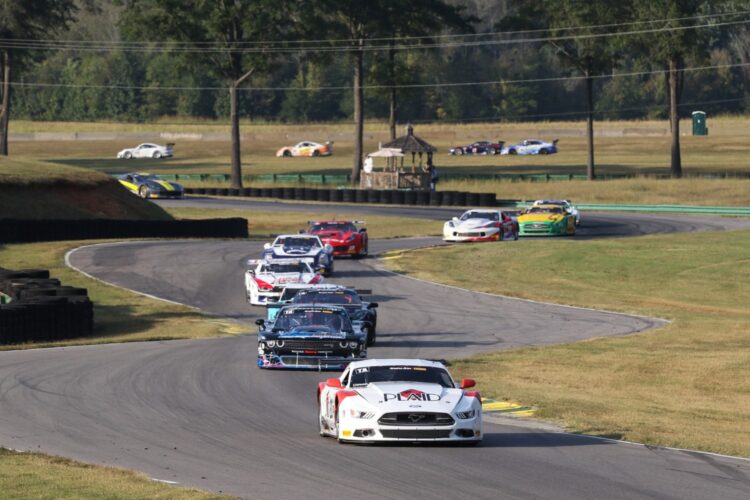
383,196
40,308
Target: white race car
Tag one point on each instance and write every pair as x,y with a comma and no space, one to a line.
399,400
566,205
531,147
266,278
299,246
147,150
481,224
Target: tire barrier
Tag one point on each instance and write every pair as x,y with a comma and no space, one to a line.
233,192
383,196
40,309
27,231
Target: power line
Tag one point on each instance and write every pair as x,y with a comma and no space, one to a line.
368,48
147,44
382,87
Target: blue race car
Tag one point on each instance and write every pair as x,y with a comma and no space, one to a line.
310,336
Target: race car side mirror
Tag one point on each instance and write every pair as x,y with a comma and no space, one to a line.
328,248
334,382
266,246
260,322
467,382
363,230
372,305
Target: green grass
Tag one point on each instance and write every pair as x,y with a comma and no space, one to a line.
121,316
37,476
264,224
684,385
25,171
725,150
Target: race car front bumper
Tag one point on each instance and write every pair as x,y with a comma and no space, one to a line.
300,361
488,234
540,229
370,431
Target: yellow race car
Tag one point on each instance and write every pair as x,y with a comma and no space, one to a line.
546,220
150,186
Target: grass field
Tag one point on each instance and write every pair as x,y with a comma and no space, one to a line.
685,385
265,224
725,150
32,475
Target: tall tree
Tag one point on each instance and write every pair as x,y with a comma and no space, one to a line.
414,18
231,39
587,55
670,47
21,24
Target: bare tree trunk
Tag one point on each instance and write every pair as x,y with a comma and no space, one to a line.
359,119
590,171
675,167
5,111
234,117
392,91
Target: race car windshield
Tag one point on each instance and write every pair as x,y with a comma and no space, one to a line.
480,215
545,210
298,242
144,178
424,374
323,320
333,226
343,297
285,268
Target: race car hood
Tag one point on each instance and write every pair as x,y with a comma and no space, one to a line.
285,278
402,396
333,235
296,250
472,223
544,217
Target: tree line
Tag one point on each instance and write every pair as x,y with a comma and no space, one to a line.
395,60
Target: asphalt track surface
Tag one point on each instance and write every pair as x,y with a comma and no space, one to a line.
200,413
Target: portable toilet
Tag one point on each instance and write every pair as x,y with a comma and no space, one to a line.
699,123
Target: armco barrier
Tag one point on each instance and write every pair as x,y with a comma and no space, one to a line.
42,310
25,231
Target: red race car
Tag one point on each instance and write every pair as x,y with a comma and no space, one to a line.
343,236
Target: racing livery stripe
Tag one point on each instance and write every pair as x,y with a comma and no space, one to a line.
132,187
166,185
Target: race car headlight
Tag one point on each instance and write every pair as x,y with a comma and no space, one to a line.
354,413
449,224
351,238
353,344
466,414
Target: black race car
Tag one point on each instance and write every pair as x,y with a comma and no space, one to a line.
308,336
478,148
363,314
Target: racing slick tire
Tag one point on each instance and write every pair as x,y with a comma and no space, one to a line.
128,155
370,335
156,155
544,151
492,151
512,152
316,153
459,151
143,192
286,153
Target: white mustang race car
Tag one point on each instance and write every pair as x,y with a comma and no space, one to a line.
481,225
147,150
399,400
565,204
302,246
266,279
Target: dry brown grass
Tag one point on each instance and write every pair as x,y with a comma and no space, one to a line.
685,385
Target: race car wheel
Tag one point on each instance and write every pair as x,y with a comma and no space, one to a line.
544,151
287,152
459,152
156,155
316,153
128,155
512,152
492,151
143,192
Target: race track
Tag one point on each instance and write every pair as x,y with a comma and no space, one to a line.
200,413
